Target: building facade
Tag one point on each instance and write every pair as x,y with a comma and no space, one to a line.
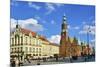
63,43
27,44
68,46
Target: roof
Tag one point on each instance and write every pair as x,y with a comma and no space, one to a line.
26,31
43,38
54,44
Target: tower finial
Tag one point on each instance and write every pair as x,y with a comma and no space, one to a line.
64,14
17,24
64,17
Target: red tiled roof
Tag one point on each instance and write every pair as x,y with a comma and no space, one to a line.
25,31
43,38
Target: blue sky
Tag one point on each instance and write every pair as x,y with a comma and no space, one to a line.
46,19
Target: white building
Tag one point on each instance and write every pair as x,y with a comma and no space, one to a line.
28,44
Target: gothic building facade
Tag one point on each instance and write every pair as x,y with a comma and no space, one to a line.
68,46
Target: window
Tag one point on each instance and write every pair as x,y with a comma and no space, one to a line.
26,40
36,54
30,40
15,39
21,40
18,40
21,49
33,54
12,50
39,54
18,49
26,49
12,41
35,41
39,50
34,50
30,49
15,49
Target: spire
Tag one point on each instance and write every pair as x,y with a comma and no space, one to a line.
64,17
75,40
17,24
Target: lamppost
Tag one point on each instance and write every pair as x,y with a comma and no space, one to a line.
88,32
82,49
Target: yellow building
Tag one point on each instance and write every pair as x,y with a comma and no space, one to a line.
50,49
28,44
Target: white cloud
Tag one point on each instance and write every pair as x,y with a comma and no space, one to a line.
76,28
82,32
34,6
73,27
13,23
37,17
50,7
53,22
31,24
69,26
88,29
55,39
92,42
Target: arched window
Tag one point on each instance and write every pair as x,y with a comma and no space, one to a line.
21,40
15,39
18,39
26,40
30,40
12,41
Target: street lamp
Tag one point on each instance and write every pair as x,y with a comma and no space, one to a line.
88,31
